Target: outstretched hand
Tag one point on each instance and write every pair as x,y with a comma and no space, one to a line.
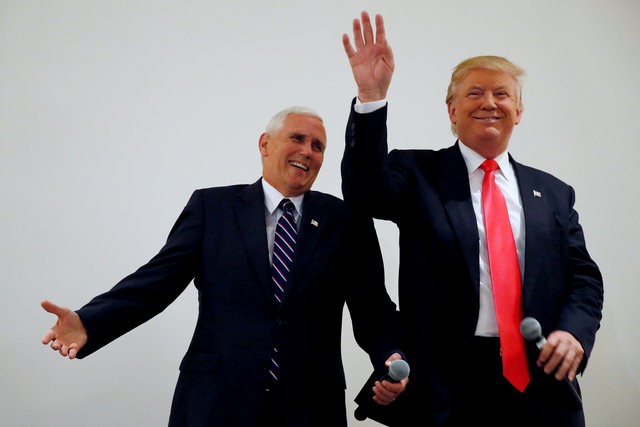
68,335
371,60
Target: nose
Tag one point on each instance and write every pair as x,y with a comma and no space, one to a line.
489,102
306,149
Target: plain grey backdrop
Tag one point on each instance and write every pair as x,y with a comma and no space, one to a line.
113,112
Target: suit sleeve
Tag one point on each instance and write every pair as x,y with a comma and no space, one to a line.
366,178
582,310
149,290
373,314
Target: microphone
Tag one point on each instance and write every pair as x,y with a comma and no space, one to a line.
532,331
398,370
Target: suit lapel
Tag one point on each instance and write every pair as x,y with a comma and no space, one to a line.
532,205
456,198
315,218
250,214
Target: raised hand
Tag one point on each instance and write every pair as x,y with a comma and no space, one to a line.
68,335
371,60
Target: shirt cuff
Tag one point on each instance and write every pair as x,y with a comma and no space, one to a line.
368,107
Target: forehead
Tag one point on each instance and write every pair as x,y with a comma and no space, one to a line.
487,78
305,125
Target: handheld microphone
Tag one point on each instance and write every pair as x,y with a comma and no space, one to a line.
398,370
532,331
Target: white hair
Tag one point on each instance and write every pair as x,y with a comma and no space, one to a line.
277,121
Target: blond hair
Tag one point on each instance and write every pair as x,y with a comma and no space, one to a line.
487,62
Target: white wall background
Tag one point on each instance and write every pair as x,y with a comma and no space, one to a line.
112,112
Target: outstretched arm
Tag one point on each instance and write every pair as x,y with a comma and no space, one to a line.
371,59
68,335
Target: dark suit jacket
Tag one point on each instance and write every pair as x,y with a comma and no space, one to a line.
219,240
426,193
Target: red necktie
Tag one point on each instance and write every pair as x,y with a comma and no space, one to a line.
505,278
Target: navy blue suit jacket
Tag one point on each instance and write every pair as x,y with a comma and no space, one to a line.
426,193
219,241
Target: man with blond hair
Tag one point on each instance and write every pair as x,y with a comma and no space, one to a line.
485,242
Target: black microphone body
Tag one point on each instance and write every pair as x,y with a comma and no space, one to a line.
532,331
398,370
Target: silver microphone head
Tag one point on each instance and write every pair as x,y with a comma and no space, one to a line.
398,370
530,328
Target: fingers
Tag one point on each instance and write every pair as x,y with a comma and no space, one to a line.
363,33
70,351
357,34
561,355
49,336
394,356
68,335
380,33
49,307
568,365
367,27
347,46
383,395
386,392
73,351
53,308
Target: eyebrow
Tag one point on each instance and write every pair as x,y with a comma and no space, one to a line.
304,135
479,86
319,141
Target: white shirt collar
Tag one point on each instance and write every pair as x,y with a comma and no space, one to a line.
473,161
272,198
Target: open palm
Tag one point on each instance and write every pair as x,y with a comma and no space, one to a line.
68,335
371,59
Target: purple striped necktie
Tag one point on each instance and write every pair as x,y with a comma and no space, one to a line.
284,245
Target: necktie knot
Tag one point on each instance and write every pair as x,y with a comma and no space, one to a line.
489,165
287,206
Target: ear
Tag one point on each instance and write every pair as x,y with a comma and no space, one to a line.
519,116
452,113
262,144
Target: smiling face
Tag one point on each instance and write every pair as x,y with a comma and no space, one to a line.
484,109
292,155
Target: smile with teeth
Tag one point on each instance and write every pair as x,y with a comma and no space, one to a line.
491,119
299,165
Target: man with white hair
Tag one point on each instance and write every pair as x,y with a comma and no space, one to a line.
274,263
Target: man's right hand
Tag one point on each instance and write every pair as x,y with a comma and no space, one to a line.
371,60
68,335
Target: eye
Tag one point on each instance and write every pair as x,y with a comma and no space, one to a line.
474,93
297,137
318,146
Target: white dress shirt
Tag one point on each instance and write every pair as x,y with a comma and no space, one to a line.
508,184
272,214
